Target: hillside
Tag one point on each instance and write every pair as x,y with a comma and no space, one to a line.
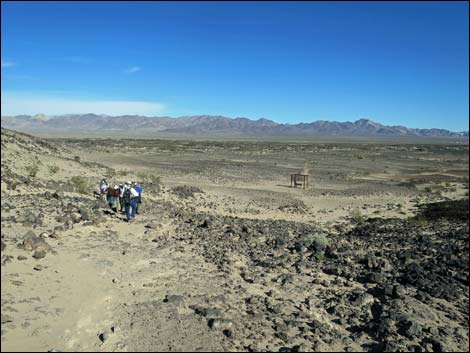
225,256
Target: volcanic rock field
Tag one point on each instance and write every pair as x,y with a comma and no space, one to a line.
225,255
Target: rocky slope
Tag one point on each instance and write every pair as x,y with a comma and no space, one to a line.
212,125
76,277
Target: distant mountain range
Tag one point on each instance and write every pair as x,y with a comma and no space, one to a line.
206,125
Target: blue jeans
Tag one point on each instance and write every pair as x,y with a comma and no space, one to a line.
110,200
131,208
139,201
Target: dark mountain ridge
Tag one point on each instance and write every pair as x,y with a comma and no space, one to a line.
206,124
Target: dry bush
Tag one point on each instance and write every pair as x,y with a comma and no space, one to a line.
53,169
123,172
32,170
80,184
149,178
357,217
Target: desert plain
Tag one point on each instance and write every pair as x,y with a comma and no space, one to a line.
225,255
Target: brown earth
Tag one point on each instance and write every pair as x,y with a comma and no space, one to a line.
225,255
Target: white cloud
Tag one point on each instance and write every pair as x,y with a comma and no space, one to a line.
132,69
14,104
8,64
19,77
75,59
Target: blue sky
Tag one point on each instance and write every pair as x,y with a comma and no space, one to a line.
401,63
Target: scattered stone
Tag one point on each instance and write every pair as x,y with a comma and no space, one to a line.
412,329
206,223
59,195
39,254
220,324
103,337
211,312
6,318
176,300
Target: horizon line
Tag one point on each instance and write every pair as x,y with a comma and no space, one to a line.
234,118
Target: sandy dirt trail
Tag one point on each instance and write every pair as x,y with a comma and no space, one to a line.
96,271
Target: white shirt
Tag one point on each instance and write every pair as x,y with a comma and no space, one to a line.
134,193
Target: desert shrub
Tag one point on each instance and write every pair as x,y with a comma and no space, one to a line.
319,256
357,216
123,172
80,184
53,169
315,242
111,172
293,206
447,184
428,189
149,178
185,191
76,159
32,170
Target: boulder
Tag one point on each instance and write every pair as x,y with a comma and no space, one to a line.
220,324
39,254
31,242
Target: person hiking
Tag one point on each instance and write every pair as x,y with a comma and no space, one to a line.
110,196
138,188
130,200
103,187
121,193
117,194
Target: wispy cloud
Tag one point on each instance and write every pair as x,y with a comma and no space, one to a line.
8,64
19,77
133,69
76,59
16,104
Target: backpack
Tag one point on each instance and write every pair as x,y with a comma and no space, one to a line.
117,192
110,191
126,197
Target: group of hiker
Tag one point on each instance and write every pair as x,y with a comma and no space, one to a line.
123,197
